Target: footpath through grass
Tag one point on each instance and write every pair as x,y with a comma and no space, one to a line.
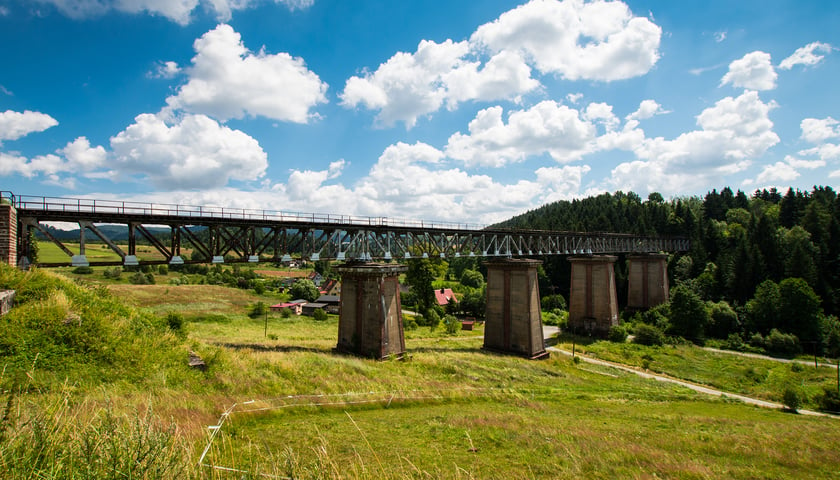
753,377
449,410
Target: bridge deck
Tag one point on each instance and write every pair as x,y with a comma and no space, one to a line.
254,235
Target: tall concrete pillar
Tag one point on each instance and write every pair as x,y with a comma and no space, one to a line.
370,322
513,323
593,303
8,235
648,282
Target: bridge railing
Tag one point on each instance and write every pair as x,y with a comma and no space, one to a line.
204,212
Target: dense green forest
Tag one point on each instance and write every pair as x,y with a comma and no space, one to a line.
764,264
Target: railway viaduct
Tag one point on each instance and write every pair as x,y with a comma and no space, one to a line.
370,323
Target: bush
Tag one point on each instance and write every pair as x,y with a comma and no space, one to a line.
648,335
432,318
319,314
409,323
175,321
829,400
452,324
83,270
734,342
112,273
258,309
792,398
163,270
286,313
150,278
551,302
138,279
617,334
782,343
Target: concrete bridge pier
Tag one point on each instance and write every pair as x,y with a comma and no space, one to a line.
513,322
648,282
370,322
8,235
593,303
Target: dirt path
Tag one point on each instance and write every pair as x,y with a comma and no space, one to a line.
548,332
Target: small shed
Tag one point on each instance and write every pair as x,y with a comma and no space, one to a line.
333,303
309,308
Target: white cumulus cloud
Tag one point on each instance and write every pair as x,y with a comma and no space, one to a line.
14,125
806,55
754,71
647,109
178,11
226,81
548,127
410,85
817,130
572,38
732,134
576,39
786,171
194,152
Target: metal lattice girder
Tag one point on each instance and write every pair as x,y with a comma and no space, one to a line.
242,234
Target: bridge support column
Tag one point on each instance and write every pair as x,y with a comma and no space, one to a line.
648,282
370,322
8,234
513,322
593,303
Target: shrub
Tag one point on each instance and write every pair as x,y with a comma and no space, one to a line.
550,302
150,278
83,270
648,335
734,342
409,323
138,279
175,321
163,270
782,343
258,309
112,273
452,324
792,398
286,313
617,334
829,400
432,318
259,288
319,314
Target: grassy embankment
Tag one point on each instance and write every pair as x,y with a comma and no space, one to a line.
448,411
753,377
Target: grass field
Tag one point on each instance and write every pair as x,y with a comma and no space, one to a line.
449,410
754,377
49,252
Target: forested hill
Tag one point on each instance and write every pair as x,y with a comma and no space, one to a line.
738,240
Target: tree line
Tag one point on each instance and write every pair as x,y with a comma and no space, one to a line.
760,265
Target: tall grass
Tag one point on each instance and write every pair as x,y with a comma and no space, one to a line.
64,440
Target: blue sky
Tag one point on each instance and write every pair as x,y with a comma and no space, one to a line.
442,110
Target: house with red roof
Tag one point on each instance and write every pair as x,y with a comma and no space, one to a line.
445,296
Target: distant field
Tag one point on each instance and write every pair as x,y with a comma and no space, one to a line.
49,252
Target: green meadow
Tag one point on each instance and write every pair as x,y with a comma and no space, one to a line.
95,384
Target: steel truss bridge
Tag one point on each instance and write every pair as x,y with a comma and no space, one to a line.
220,234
